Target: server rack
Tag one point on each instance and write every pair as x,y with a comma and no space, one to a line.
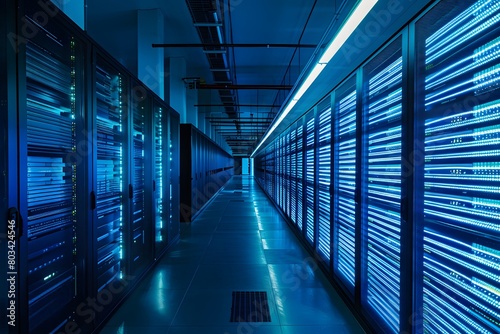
381,185
300,175
415,176
174,165
324,158
201,175
140,231
9,241
345,171
292,175
111,175
81,173
50,103
310,186
457,203
160,202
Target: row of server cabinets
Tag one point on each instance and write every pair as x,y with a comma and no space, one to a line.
205,168
394,179
91,176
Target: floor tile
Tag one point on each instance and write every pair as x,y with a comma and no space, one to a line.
234,256
125,329
161,306
233,276
212,307
311,306
334,329
238,242
278,256
246,328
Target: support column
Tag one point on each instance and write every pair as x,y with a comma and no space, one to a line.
74,9
191,109
176,88
151,61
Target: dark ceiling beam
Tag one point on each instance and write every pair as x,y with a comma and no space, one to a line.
242,120
256,87
239,105
233,45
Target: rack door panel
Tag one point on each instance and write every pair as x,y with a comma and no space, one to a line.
173,176
300,176
345,130
110,165
324,166
138,228
310,175
382,184
52,188
293,177
161,200
458,114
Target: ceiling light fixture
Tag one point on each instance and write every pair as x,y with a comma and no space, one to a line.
349,26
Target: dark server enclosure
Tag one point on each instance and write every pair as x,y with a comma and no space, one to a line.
396,176
90,175
205,168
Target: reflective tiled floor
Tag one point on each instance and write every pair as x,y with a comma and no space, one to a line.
238,243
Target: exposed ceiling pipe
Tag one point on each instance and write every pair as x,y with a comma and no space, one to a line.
234,45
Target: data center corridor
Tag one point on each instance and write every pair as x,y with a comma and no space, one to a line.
238,243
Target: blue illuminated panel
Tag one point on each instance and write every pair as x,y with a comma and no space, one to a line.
324,162
278,171
137,224
293,177
51,181
460,214
160,230
310,152
171,174
109,175
345,185
300,176
287,174
383,216
283,171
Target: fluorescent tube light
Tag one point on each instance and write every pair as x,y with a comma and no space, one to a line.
316,71
347,29
349,26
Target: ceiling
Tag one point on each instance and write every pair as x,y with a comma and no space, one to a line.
246,82
259,77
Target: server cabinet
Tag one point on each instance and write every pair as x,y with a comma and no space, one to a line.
10,303
344,175
292,174
381,186
78,163
51,178
161,181
139,231
110,188
310,185
174,163
200,178
458,132
300,175
324,152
